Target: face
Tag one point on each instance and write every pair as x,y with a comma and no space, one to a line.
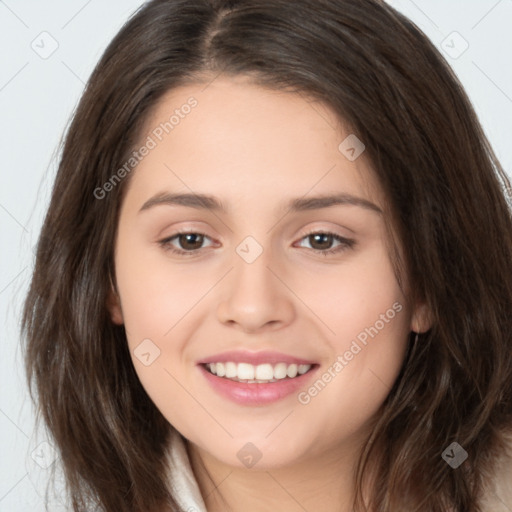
267,312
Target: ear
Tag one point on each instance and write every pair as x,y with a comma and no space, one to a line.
114,306
421,319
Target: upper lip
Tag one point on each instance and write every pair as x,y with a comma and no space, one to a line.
254,358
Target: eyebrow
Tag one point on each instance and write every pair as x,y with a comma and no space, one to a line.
205,201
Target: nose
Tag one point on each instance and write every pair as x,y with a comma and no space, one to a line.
254,297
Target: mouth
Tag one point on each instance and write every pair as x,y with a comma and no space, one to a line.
265,382
257,374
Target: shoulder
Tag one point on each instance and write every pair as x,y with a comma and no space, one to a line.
497,496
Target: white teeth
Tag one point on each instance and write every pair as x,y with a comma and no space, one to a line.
280,370
303,368
231,370
221,370
264,372
261,373
292,371
244,371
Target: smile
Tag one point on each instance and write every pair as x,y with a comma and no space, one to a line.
257,374
257,385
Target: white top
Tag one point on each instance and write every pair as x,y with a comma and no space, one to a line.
186,490
182,480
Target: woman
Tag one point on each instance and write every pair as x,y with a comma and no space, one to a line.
284,260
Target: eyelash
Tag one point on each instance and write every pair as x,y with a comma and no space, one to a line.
345,243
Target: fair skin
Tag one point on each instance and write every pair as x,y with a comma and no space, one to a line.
256,150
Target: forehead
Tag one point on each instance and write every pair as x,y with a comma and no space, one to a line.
233,135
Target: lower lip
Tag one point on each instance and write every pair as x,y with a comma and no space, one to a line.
256,394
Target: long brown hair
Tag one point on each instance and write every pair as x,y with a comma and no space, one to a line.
444,185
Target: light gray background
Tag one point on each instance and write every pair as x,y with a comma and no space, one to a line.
38,93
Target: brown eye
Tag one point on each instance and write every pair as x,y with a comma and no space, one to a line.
186,243
322,242
190,241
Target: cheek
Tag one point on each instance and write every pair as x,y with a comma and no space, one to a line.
155,294
154,303
352,296
368,329
158,299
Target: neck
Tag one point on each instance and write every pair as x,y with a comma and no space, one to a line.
323,482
